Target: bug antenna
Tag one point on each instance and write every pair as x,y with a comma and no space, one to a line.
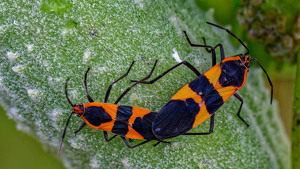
66,92
64,133
227,30
267,77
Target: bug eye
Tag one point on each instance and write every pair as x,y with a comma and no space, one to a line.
242,57
80,106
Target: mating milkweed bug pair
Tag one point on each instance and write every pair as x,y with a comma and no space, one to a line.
194,103
125,121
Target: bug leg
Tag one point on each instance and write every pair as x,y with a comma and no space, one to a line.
127,90
207,49
222,53
238,113
160,141
221,50
106,137
211,128
197,45
130,146
212,49
82,125
187,64
85,86
110,86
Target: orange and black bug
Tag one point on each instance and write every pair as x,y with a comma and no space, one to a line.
201,98
125,121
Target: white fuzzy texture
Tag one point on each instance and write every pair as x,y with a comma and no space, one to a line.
30,47
86,56
176,56
34,94
12,55
18,69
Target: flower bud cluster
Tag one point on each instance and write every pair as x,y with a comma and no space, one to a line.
270,27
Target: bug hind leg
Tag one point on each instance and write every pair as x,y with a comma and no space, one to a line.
161,141
137,145
106,136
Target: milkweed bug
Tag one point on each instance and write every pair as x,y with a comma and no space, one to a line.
200,99
125,121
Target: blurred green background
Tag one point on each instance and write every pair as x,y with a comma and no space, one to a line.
19,150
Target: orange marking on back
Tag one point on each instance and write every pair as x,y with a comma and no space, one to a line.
137,112
88,123
231,58
103,126
213,75
108,126
111,109
96,104
133,134
201,116
185,93
227,92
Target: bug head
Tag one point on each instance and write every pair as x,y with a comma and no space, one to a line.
78,109
245,57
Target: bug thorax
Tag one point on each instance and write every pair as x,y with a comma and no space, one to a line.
78,109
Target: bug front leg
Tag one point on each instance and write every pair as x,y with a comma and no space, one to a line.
82,125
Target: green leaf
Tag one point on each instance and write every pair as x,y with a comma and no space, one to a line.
43,43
